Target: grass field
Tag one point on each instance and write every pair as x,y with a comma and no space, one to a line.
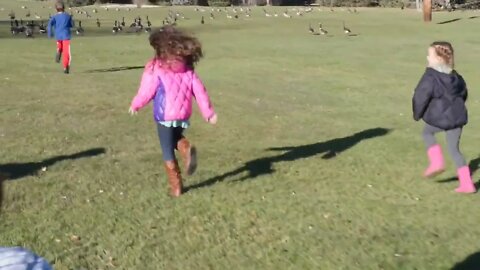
315,162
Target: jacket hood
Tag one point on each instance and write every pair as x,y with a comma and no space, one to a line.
452,85
175,66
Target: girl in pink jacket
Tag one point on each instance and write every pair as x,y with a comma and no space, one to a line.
170,81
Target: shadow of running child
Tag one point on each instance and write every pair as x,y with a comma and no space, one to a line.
263,166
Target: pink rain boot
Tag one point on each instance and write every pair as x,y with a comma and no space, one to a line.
465,179
437,164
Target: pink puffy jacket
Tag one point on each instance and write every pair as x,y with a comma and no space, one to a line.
172,90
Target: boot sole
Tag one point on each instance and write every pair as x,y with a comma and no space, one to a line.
192,166
466,191
434,174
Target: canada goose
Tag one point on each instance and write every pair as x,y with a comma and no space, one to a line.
37,16
41,28
79,30
28,14
212,17
345,29
115,28
286,15
98,23
11,15
123,22
24,7
322,30
229,16
202,21
149,24
13,27
311,30
95,10
29,31
134,24
117,9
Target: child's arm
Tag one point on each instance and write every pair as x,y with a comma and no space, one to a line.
203,100
422,97
465,90
147,90
51,24
70,22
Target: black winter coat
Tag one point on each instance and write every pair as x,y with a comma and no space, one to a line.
439,100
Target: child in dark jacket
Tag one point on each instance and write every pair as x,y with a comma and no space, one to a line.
439,100
61,24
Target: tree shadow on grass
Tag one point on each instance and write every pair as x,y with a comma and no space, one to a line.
14,171
114,69
450,21
263,166
472,262
473,165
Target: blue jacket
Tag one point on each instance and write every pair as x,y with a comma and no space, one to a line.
61,22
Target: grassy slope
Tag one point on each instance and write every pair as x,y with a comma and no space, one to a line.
273,86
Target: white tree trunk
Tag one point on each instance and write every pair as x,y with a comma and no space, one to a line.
419,4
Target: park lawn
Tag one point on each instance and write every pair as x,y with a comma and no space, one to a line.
315,163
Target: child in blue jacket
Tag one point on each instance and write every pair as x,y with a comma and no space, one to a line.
61,23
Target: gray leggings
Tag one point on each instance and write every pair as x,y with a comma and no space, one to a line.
453,141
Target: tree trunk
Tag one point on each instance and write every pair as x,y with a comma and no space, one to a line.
427,10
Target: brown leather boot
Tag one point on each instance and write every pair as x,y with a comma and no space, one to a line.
174,178
189,155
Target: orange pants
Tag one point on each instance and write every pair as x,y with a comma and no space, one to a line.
63,48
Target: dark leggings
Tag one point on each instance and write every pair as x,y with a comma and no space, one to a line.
169,137
453,141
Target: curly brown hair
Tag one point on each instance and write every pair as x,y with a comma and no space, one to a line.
170,43
445,51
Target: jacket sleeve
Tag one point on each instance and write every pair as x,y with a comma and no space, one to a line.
51,24
422,96
201,95
70,22
465,89
147,89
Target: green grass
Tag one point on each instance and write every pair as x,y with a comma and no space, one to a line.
273,86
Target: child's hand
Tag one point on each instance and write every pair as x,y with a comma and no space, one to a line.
213,119
131,111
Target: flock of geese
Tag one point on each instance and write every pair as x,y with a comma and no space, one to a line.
137,26
322,31
236,13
